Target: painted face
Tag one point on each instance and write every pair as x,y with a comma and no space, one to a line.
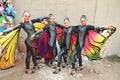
66,24
83,22
26,17
52,20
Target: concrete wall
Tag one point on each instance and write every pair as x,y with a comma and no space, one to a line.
108,13
98,12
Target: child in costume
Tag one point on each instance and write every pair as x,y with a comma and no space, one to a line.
81,33
67,32
51,28
28,27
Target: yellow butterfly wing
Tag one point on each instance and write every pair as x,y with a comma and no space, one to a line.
8,45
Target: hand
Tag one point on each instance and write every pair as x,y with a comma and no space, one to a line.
32,37
44,21
1,34
109,26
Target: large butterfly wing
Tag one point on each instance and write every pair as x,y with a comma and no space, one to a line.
94,42
59,33
73,43
38,26
41,43
72,47
42,48
8,45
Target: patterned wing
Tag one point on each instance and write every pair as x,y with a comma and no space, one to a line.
73,43
94,42
59,32
41,43
39,25
8,45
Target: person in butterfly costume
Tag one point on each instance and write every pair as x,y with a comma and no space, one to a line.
67,34
81,33
51,28
28,27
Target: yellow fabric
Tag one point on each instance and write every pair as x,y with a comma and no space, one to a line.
8,45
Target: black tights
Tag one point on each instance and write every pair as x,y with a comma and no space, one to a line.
62,54
76,51
30,52
54,52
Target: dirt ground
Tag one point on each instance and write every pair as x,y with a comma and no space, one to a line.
103,69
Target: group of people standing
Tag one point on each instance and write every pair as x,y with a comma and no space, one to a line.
79,30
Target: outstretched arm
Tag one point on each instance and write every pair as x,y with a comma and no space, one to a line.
59,25
38,32
99,27
39,19
13,28
75,28
104,27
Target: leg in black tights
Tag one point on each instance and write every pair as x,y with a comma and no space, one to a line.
63,51
80,58
30,52
28,56
61,54
76,51
54,52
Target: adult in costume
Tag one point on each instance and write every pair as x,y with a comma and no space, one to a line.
51,28
28,27
82,30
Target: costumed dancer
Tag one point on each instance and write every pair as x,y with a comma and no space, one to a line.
81,33
51,28
67,32
28,27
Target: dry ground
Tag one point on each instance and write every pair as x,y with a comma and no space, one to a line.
103,69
